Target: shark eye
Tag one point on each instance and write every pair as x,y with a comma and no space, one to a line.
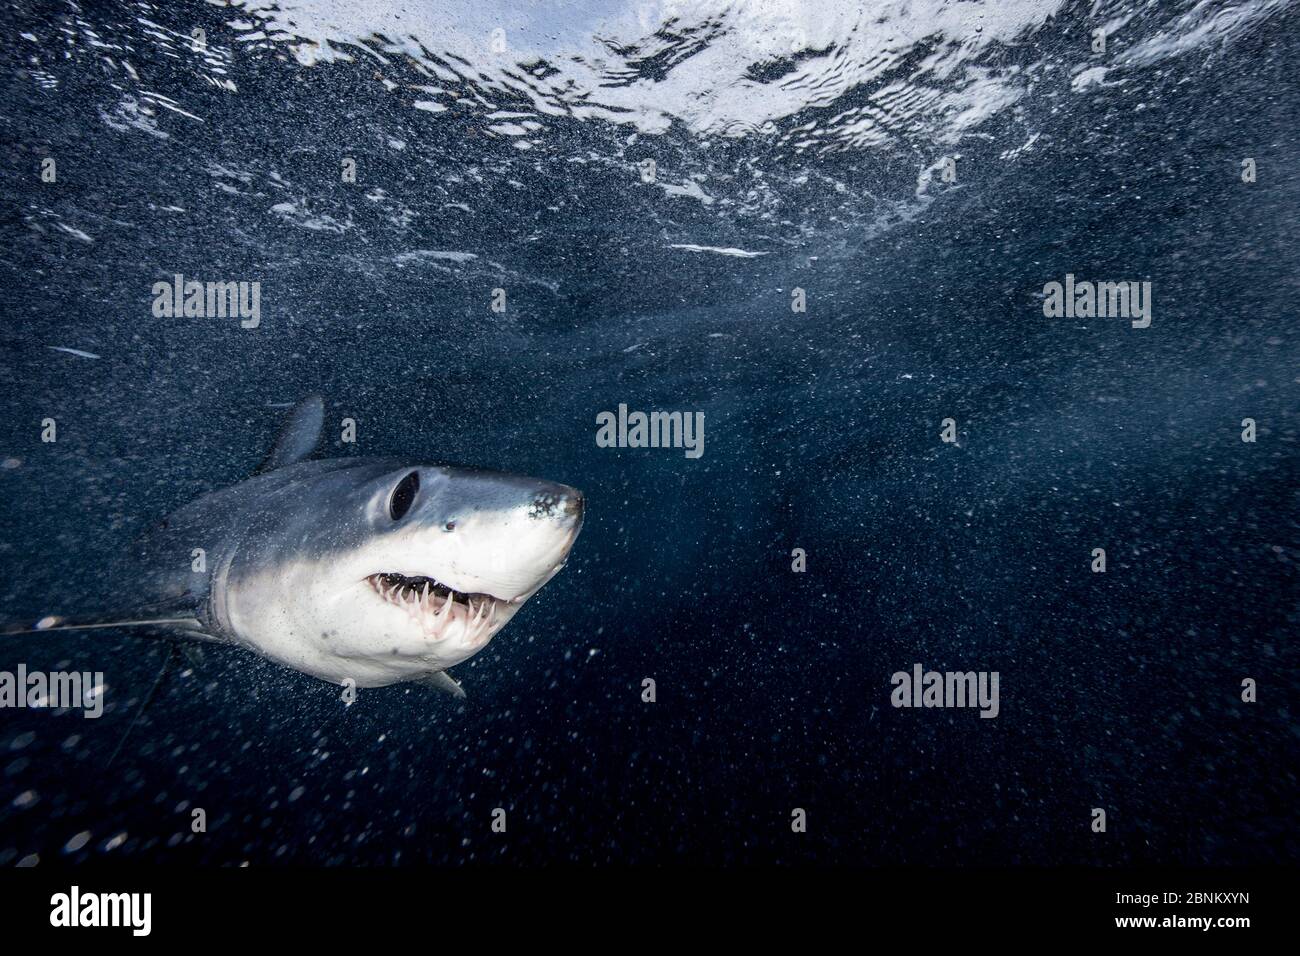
400,501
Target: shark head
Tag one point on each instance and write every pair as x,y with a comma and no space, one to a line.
456,552
382,572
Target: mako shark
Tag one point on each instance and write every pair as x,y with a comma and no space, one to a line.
373,571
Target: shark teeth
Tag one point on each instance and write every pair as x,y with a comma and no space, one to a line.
438,609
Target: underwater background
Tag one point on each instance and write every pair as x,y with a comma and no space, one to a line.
794,146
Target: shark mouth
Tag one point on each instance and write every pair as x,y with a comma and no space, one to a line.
440,611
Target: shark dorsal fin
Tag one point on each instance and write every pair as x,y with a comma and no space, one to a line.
299,434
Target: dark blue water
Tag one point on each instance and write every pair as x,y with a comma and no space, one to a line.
1119,690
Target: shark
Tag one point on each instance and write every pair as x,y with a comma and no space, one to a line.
361,571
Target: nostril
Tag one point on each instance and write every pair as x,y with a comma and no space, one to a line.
574,503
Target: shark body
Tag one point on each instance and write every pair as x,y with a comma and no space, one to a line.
373,571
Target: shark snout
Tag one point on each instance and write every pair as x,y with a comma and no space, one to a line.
558,501
574,504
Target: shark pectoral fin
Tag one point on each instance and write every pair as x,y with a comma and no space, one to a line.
171,625
443,683
298,436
